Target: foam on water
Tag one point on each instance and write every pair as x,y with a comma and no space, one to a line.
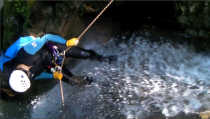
154,76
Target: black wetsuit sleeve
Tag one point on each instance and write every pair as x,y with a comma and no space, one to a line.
77,52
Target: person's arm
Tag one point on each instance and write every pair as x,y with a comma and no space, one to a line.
58,39
44,75
54,38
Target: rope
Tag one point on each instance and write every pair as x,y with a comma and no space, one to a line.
79,37
61,86
88,27
61,89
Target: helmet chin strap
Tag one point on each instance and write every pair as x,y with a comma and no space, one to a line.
25,69
23,66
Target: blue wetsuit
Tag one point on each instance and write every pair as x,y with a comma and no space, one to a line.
30,45
32,52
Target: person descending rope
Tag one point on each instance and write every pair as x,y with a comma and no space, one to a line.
34,58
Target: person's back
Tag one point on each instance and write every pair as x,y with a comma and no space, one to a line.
38,61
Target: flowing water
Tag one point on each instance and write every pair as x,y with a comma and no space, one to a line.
149,80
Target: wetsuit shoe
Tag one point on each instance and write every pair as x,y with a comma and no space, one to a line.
80,80
89,80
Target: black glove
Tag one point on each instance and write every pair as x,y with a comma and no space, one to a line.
79,80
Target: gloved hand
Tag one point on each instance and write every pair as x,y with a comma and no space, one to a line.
57,75
72,42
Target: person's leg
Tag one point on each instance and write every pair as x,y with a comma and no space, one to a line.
68,77
77,52
67,74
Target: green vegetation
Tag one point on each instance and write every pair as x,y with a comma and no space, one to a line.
20,15
195,17
12,12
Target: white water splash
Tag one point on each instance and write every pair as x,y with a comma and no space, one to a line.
157,76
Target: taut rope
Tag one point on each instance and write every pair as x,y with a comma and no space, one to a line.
79,37
94,20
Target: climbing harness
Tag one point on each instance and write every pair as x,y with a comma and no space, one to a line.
57,57
79,37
